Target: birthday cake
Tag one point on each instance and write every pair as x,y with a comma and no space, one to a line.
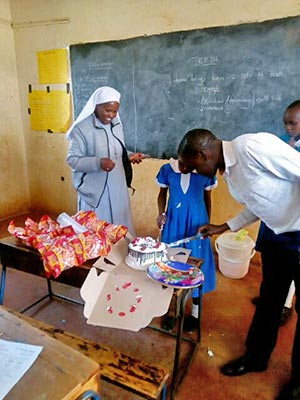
143,251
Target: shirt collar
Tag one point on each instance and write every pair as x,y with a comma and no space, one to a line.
229,157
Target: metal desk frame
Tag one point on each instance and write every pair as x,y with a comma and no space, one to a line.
180,313
17,247
49,295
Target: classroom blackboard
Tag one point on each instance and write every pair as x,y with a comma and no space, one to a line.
231,80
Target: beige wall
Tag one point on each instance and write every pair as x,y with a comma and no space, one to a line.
38,26
14,194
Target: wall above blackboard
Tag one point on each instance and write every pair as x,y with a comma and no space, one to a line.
231,80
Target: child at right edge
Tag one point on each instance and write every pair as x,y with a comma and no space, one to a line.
291,119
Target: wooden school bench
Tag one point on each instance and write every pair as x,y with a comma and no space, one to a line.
145,379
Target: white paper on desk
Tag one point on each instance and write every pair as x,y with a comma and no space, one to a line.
15,359
124,298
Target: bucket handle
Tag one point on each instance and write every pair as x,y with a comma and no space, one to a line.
226,259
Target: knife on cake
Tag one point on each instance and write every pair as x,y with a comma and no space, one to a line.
185,240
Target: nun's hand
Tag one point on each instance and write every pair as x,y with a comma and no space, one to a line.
137,158
107,164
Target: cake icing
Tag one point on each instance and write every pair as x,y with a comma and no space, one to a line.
143,251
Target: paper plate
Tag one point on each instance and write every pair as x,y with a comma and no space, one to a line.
175,274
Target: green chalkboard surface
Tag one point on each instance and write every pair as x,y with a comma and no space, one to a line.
231,80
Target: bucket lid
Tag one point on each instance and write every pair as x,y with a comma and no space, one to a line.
229,240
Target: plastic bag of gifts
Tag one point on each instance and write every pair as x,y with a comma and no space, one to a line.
61,247
89,220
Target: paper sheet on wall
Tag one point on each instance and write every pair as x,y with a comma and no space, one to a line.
53,66
15,359
49,111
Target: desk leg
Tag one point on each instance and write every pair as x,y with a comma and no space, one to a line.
178,342
199,314
50,293
2,284
175,380
89,395
180,312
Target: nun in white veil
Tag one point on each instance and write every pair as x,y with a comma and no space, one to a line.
95,156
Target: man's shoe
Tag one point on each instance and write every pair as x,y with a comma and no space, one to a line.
190,324
286,315
242,366
289,392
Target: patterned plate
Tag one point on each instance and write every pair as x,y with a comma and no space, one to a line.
175,274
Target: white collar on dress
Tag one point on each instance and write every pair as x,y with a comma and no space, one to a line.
184,178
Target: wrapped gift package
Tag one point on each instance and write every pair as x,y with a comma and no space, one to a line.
68,241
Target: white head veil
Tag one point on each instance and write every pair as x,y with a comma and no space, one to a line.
104,94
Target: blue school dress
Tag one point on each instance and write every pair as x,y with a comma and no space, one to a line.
186,212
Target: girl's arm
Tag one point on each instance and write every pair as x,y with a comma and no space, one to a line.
207,201
161,203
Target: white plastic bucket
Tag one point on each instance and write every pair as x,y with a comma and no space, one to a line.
234,255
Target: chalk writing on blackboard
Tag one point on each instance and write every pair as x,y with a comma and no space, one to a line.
231,80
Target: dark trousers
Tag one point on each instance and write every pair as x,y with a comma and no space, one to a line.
280,266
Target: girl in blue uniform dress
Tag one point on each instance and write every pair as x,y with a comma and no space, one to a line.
188,207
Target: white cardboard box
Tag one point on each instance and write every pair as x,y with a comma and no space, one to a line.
120,296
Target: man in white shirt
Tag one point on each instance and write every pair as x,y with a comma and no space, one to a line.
263,173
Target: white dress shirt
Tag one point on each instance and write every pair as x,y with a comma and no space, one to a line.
263,173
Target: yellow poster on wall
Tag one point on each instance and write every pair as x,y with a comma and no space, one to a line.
49,110
53,66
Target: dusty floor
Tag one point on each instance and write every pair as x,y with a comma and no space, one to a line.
226,316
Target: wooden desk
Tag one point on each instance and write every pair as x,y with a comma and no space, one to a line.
59,372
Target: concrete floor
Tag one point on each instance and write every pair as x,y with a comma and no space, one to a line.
227,313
